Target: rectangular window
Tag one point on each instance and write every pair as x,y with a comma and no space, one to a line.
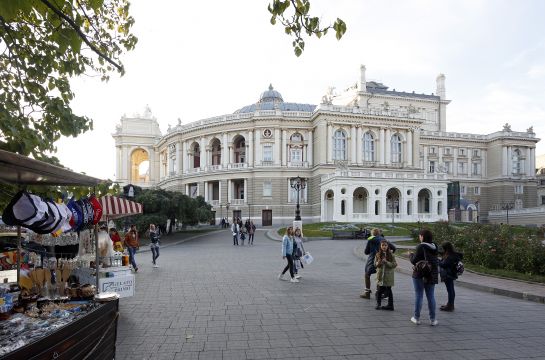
542,200
476,190
541,182
462,190
476,169
267,189
267,153
446,151
296,155
476,153
432,167
432,150
462,152
461,168
519,189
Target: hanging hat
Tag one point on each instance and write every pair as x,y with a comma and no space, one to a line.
90,211
24,209
77,215
97,209
85,216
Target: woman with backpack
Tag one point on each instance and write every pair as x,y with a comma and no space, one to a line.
449,270
425,275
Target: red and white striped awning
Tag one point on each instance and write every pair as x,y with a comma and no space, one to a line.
114,207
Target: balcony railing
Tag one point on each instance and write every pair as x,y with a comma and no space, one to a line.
238,165
237,201
194,170
303,164
215,167
214,203
267,163
358,216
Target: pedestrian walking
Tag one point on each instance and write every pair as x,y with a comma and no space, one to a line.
154,244
251,233
448,269
235,229
287,251
298,252
132,244
242,232
425,275
385,263
222,223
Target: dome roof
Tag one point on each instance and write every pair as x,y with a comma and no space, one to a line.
271,100
270,95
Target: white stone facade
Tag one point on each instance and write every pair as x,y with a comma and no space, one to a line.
367,155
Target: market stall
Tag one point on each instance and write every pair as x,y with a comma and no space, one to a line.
47,313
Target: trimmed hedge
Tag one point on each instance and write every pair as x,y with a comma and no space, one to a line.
495,246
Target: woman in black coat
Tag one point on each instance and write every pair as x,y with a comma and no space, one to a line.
424,281
449,272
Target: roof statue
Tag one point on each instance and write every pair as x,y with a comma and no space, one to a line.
530,130
507,127
179,122
147,112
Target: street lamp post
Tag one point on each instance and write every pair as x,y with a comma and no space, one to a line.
298,185
507,207
227,210
393,204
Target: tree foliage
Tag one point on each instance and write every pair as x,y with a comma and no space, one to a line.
42,44
174,206
294,16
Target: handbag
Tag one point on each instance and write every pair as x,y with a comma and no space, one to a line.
307,258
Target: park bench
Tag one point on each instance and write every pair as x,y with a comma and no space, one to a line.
343,234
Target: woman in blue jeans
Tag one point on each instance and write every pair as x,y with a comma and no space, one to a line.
425,251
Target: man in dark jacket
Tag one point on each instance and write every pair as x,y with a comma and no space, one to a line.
425,275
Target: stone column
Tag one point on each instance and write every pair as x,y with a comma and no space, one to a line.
410,148
185,162
381,149
509,161
231,153
229,190
206,191
504,160
529,162
416,146
426,167
310,149
245,191
388,147
277,147
284,148
180,156
329,144
353,143
455,165
359,145
533,161
469,165
483,164
224,151
250,155
204,153
258,149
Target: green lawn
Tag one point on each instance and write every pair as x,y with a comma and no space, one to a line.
389,229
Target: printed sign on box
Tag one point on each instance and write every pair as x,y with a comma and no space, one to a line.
123,285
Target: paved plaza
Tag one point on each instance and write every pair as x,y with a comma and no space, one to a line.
212,300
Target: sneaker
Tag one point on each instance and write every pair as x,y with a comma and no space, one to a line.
155,266
366,295
294,280
415,321
388,307
378,307
135,269
297,276
281,277
434,322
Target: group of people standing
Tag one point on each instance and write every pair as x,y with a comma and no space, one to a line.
293,251
242,231
132,243
427,269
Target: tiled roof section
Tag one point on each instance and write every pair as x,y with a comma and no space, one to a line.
379,88
284,106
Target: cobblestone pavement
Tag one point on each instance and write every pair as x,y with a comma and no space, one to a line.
212,300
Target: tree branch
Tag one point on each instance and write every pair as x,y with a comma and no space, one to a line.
80,33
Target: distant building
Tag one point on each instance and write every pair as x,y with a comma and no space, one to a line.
367,154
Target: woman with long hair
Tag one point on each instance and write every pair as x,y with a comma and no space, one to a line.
287,253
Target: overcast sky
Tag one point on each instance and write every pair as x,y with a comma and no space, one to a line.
199,59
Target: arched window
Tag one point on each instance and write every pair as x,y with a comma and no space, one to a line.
395,143
368,147
339,145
